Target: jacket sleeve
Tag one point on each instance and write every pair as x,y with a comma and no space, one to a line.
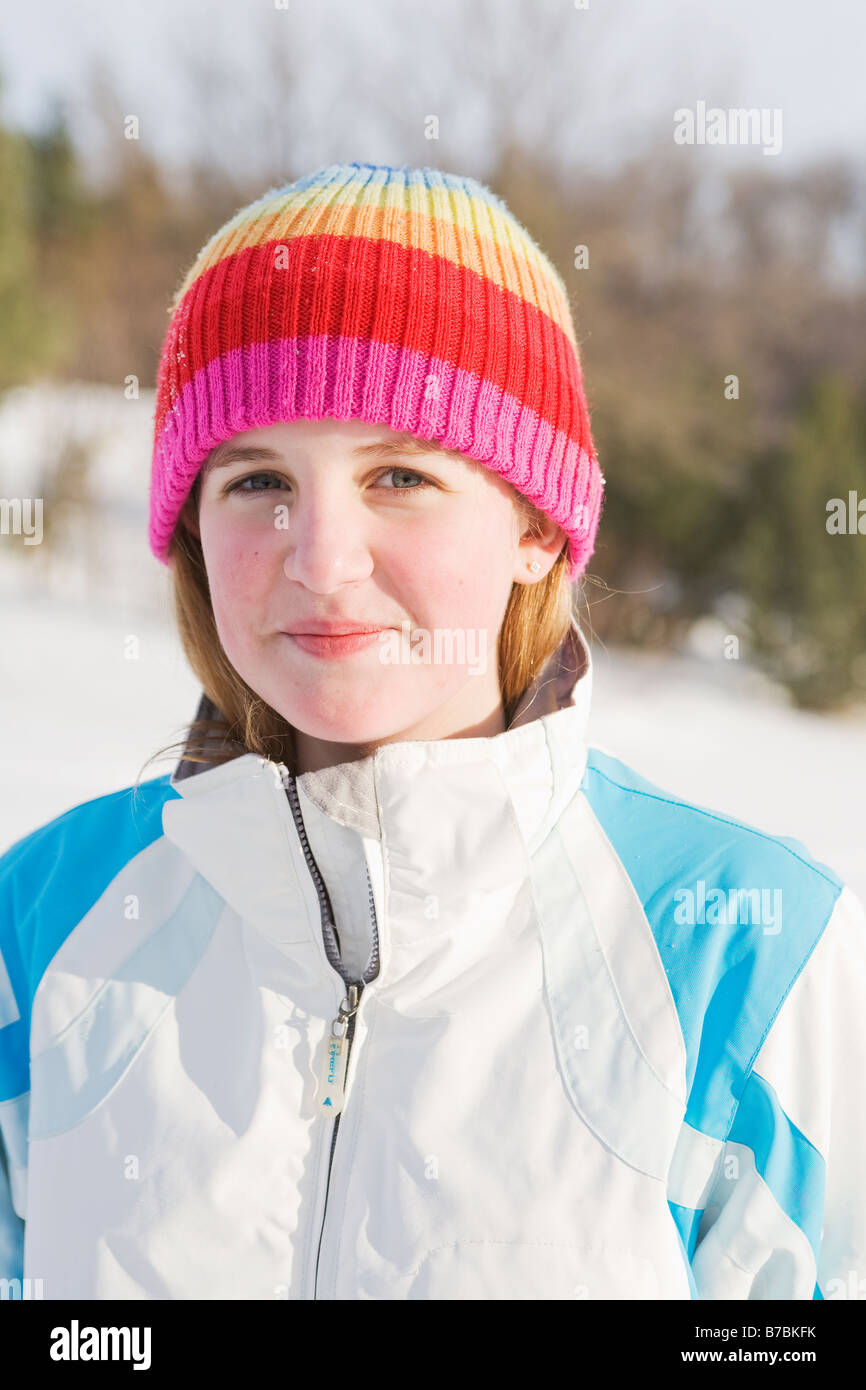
785,1215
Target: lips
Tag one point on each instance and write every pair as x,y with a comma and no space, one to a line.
336,644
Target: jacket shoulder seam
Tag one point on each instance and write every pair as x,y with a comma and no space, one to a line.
718,816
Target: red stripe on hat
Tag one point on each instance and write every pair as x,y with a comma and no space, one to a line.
374,289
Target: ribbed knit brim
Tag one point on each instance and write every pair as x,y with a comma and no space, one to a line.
409,298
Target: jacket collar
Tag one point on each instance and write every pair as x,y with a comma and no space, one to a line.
541,754
234,823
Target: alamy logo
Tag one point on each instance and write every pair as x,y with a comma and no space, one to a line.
713,907
439,646
21,1288
22,516
739,126
76,1343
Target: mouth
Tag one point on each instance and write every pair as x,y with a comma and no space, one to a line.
338,639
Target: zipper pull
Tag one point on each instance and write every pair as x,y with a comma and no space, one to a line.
332,1077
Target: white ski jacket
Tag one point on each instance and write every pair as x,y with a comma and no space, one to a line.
597,1042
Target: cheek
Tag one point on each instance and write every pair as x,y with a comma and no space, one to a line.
240,577
462,567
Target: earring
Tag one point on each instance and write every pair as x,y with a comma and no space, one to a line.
535,567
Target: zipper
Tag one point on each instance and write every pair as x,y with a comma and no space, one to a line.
335,1068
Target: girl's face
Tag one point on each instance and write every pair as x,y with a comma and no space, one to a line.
335,524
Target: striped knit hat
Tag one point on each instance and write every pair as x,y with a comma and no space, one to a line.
410,298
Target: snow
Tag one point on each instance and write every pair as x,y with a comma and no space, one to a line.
702,731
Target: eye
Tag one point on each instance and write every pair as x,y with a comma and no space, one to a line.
406,473
238,484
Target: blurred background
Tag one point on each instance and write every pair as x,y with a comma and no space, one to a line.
718,288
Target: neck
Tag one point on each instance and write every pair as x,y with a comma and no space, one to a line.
312,754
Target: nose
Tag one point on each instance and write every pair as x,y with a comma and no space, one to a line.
325,541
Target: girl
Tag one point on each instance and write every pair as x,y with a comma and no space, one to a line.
395,989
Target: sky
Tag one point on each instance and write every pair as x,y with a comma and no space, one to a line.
626,65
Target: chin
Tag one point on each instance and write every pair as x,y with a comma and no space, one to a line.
357,707
350,725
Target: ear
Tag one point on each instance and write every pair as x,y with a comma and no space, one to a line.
541,544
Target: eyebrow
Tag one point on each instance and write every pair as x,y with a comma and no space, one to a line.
224,455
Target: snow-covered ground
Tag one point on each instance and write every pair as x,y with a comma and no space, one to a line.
715,734
93,680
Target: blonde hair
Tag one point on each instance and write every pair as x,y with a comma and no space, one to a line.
536,620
